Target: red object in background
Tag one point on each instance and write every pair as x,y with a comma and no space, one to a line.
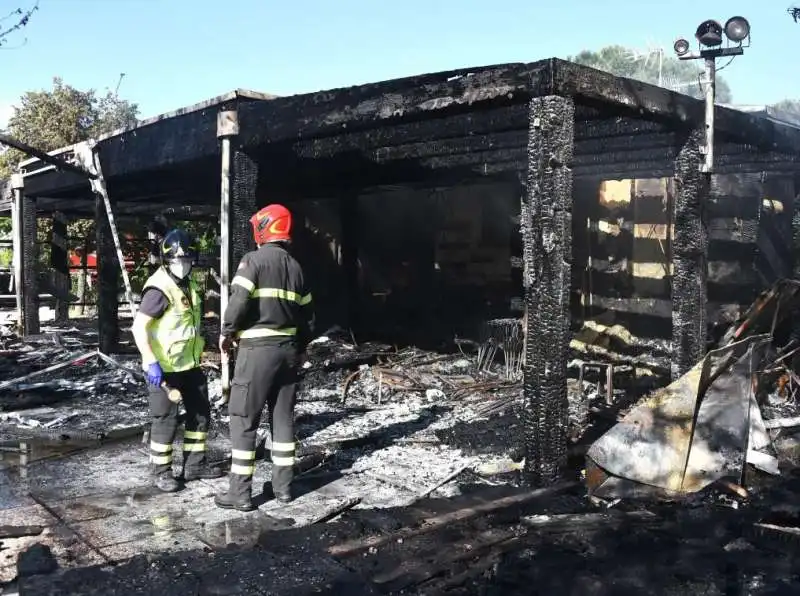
75,263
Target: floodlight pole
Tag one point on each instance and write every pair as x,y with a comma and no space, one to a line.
710,58
707,166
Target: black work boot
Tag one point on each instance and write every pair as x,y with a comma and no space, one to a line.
283,495
166,482
205,472
226,501
282,483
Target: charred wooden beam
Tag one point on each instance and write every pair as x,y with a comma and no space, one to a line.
640,98
43,183
690,258
546,231
29,261
108,275
45,157
328,113
244,189
424,133
350,229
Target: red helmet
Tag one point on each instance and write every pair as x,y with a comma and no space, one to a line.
273,222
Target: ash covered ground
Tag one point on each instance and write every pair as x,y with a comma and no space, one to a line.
391,440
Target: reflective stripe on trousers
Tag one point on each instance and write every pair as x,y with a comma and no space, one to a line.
243,463
194,440
283,454
160,454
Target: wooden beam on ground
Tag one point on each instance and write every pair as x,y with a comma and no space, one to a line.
357,547
19,531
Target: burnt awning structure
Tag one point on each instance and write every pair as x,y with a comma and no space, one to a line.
541,125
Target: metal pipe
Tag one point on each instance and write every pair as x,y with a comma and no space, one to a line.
224,224
90,156
710,92
227,127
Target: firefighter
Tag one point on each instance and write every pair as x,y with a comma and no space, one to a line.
167,332
270,318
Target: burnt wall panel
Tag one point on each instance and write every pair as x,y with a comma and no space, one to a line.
317,244
244,192
546,231
439,259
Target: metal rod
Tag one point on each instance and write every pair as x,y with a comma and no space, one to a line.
45,157
92,156
711,84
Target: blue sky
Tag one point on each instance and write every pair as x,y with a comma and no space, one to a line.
179,52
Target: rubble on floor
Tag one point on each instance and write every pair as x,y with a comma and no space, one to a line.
408,481
389,425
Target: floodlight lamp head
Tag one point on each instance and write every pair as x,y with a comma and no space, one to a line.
681,46
709,33
737,29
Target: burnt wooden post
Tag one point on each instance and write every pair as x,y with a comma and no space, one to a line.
546,235
27,260
348,211
689,257
107,279
59,262
244,185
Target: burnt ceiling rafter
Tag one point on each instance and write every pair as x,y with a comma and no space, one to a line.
375,105
645,100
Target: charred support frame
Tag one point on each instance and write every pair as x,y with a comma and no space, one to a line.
244,185
690,257
27,260
60,264
107,279
546,233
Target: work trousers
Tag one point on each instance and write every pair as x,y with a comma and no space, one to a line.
194,390
263,376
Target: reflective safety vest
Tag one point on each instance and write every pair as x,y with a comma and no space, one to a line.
175,336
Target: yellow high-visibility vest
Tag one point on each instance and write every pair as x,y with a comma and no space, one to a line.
175,336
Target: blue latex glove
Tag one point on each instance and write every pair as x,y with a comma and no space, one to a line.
154,374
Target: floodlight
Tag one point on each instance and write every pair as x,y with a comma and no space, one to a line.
709,33
681,46
737,29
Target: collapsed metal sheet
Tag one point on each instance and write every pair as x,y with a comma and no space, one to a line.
690,433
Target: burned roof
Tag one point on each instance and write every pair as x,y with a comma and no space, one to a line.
470,112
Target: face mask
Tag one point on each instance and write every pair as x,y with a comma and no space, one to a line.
180,268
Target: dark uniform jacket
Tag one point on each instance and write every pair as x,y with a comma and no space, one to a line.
270,302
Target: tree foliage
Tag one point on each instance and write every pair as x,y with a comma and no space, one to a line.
49,119
678,75
15,20
61,116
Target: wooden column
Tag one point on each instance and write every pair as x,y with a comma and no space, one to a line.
546,233
348,209
108,275
27,261
59,262
689,257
